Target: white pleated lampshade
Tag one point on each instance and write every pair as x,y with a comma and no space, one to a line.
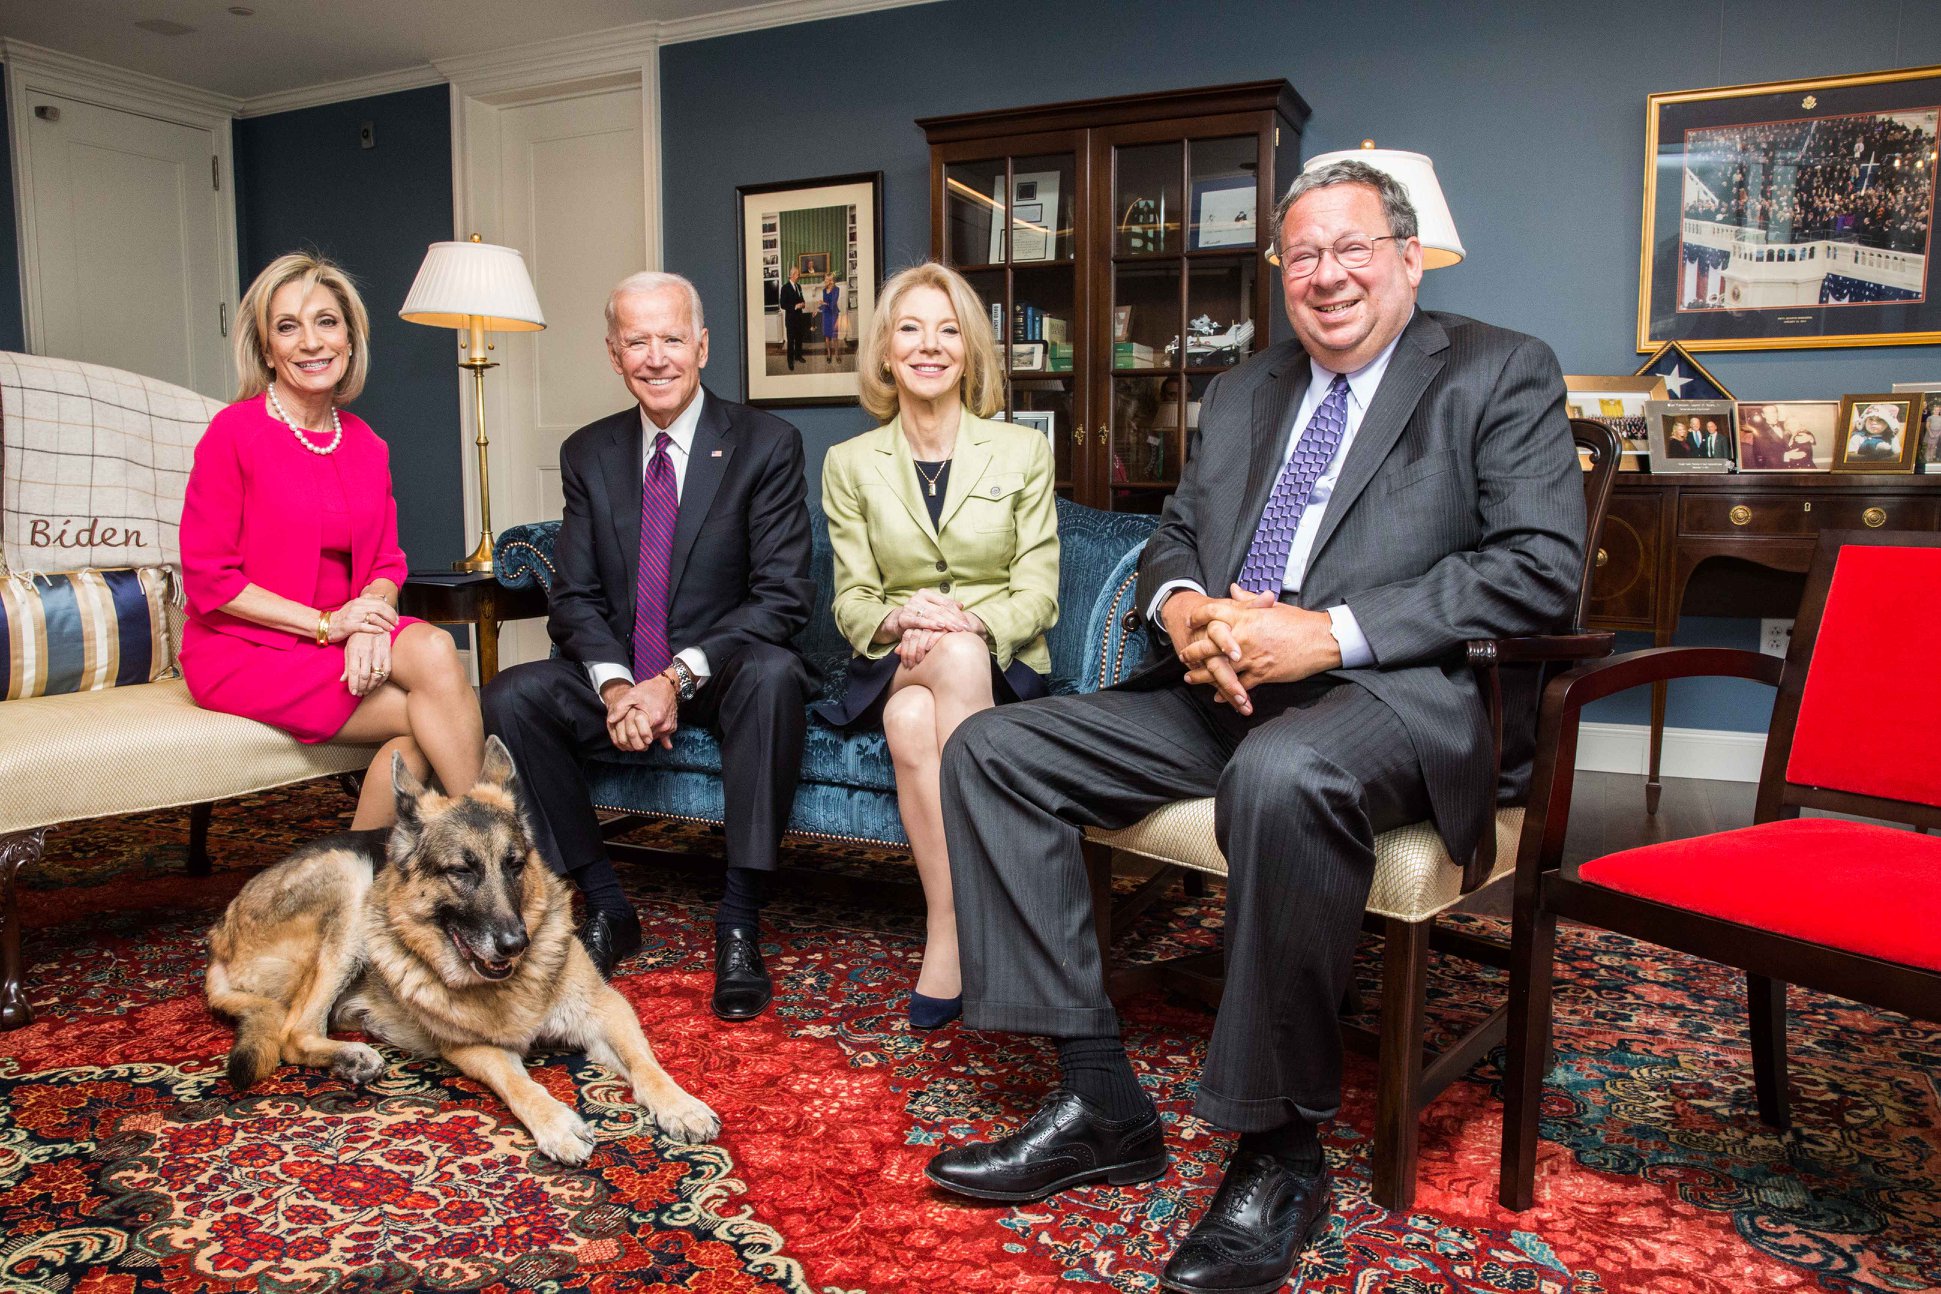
1435,226
463,282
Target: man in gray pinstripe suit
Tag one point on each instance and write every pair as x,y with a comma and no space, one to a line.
1357,507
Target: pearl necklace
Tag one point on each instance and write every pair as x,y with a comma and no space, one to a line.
301,432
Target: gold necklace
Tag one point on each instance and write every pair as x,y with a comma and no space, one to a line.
928,479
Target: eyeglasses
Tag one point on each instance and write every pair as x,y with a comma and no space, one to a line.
1352,253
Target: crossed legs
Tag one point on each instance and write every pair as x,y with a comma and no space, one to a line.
926,704
425,711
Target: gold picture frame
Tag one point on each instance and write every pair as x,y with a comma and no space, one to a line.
1618,403
1775,264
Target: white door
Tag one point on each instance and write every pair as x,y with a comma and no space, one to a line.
573,201
125,237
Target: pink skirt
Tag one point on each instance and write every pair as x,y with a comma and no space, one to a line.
299,689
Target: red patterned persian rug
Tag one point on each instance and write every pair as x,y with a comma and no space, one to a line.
128,1166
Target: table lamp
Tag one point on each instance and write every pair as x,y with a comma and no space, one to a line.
477,288
1436,228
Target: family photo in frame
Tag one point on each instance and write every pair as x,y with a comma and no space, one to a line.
1792,214
811,259
1878,433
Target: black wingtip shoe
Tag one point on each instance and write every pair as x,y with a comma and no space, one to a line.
742,989
610,937
1066,1143
1261,1218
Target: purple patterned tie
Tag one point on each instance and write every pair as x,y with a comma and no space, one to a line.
1265,569
660,506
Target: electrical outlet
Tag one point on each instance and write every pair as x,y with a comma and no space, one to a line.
1775,636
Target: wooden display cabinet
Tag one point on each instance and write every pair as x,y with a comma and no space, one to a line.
1100,232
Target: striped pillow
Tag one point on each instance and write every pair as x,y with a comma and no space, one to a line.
83,630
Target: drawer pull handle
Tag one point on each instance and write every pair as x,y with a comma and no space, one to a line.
1874,518
1740,515
1603,557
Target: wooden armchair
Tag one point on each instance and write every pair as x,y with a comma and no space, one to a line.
1415,882
1844,907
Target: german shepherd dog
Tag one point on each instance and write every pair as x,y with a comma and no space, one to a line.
445,936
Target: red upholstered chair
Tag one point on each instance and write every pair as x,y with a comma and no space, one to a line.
1842,907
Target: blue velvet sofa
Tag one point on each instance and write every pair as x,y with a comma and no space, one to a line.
848,787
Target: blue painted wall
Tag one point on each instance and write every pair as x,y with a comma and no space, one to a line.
302,180
13,330
1533,111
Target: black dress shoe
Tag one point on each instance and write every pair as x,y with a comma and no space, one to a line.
1066,1143
1261,1218
610,937
742,989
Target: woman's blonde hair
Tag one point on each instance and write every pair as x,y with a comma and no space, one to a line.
983,377
253,372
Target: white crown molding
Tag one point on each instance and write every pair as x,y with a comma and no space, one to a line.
616,51
1706,753
53,72
776,13
357,87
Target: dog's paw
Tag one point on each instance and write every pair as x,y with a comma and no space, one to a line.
357,1064
686,1120
565,1136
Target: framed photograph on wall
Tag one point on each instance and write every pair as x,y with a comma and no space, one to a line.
1877,433
1787,435
813,226
1693,435
1618,403
1929,416
1792,214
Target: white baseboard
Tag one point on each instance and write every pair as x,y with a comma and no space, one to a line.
1688,752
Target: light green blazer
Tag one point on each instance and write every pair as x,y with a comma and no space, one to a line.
996,552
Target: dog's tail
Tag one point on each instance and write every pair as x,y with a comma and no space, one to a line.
259,1030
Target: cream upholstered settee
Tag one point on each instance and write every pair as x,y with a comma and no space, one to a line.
83,444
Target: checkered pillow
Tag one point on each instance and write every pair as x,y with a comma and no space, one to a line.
83,630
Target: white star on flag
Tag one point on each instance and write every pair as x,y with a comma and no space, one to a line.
1675,382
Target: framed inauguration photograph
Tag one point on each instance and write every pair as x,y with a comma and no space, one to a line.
1692,435
1877,433
1787,435
1618,403
1929,418
811,261
1792,214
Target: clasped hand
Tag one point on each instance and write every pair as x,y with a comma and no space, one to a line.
643,714
364,626
1246,639
926,617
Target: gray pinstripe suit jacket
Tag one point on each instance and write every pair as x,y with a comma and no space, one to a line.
1459,514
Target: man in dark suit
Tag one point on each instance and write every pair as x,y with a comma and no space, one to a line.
794,321
682,572
1357,506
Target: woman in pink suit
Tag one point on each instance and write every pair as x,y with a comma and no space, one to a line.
290,552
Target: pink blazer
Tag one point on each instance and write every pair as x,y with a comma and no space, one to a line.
247,518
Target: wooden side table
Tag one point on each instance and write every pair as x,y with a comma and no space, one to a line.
449,598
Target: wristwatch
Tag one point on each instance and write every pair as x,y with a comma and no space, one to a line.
684,680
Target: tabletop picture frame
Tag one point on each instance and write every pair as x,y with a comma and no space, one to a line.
1789,214
1618,403
1877,433
1693,436
1787,435
831,225
1929,416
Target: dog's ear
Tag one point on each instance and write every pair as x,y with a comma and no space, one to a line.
407,790
497,768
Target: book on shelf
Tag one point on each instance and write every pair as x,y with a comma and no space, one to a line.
1131,354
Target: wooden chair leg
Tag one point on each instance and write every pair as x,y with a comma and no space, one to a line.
1398,1098
1766,1011
15,849
199,839
1532,969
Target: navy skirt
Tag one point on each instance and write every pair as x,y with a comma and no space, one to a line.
867,686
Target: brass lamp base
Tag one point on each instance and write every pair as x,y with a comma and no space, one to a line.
480,562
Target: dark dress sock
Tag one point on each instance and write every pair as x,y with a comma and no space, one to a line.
1297,1144
601,886
741,905
1097,1069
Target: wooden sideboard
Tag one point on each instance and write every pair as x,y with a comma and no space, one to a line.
1735,544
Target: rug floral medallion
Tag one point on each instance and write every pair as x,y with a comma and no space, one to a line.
128,1166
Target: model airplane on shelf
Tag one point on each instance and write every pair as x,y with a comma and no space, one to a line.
1207,344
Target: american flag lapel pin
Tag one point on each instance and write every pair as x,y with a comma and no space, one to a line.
714,453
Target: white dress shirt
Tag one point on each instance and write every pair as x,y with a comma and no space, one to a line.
1362,385
680,435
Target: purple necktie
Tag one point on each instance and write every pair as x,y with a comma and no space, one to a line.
660,506
1265,569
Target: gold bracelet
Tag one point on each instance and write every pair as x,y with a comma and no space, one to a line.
323,628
